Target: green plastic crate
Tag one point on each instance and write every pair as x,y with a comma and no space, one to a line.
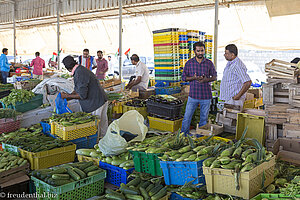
82,189
273,196
34,103
147,163
175,78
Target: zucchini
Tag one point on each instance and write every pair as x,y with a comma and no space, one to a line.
91,168
127,190
160,194
13,163
20,161
155,190
73,174
150,187
23,163
92,173
144,193
115,196
134,197
60,176
134,182
79,172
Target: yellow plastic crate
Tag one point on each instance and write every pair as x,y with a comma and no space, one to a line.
258,102
249,103
165,33
50,158
214,138
86,158
117,107
52,128
222,181
77,131
164,125
141,110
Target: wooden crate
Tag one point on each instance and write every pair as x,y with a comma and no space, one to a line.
221,119
14,173
230,113
277,113
209,129
110,82
278,69
293,115
275,93
291,130
294,95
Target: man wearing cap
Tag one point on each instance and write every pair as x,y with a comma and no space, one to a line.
91,95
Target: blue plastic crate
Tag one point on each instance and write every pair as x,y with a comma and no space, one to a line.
85,142
115,175
175,196
179,173
166,90
46,128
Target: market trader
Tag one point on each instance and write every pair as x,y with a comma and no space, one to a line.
199,71
141,79
91,95
38,64
87,61
235,81
102,66
4,65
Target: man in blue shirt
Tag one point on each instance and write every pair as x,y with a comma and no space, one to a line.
4,65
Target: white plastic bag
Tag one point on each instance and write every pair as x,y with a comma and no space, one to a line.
113,143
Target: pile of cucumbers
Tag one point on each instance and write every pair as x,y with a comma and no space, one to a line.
32,140
10,161
67,173
71,119
123,160
8,113
137,189
17,96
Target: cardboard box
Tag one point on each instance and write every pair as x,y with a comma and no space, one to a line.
287,150
249,96
257,92
209,129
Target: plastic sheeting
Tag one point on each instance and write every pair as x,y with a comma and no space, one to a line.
247,25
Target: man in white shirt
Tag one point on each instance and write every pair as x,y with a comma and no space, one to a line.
110,67
141,81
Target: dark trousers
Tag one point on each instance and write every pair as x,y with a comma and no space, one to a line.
4,77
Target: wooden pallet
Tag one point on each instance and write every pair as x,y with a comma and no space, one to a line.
275,93
221,119
294,95
291,130
278,69
277,113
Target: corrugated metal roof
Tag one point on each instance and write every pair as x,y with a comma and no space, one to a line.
38,12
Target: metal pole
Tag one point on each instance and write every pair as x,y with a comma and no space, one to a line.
216,32
120,38
58,31
14,26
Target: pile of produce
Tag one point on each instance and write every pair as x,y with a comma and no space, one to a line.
136,103
65,76
8,113
138,189
17,96
216,86
123,160
9,161
114,96
189,191
71,119
165,99
7,86
67,173
32,139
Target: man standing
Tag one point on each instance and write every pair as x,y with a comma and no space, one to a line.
199,71
102,66
38,65
110,66
235,81
141,80
91,95
4,65
87,61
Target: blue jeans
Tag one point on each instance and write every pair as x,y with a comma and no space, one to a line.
191,106
4,76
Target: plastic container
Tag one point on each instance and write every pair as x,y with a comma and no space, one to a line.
82,189
164,125
222,181
9,125
167,90
147,163
115,175
274,196
141,110
165,110
86,158
249,103
46,128
76,131
50,158
11,148
180,173
34,103
85,142
255,124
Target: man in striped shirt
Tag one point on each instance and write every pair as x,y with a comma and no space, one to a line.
235,81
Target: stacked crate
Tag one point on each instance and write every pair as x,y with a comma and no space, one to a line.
193,37
208,46
183,47
166,56
280,96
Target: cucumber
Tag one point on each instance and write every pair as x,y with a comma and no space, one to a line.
124,163
145,184
117,162
115,196
150,187
73,174
60,176
155,190
79,172
58,171
160,194
108,160
3,164
91,168
61,182
134,182
144,193
13,163
84,165
20,161
134,197
92,173
127,190
23,163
